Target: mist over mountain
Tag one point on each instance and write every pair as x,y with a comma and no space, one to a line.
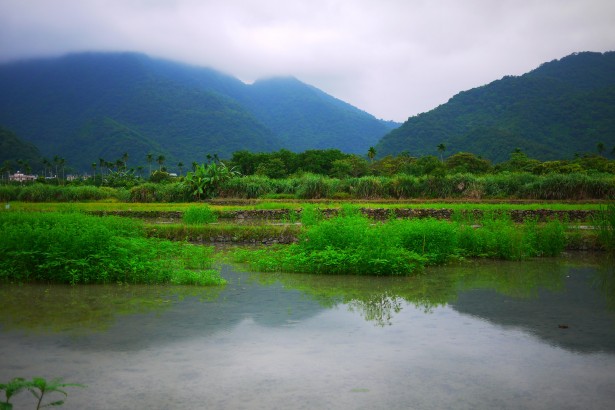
88,106
563,107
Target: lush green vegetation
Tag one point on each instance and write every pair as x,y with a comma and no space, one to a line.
561,108
76,248
605,222
199,215
40,389
352,244
311,186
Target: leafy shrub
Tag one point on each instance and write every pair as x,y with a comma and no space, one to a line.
199,215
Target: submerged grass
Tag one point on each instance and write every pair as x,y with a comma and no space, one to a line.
76,248
352,244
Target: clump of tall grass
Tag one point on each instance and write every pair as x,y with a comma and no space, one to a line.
54,193
9,193
346,244
404,186
77,248
152,192
312,186
349,243
497,236
199,215
605,221
368,187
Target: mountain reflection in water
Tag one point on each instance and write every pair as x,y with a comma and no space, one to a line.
532,334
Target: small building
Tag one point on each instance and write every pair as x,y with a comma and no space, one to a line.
19,177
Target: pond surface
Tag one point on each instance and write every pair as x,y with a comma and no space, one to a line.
482,335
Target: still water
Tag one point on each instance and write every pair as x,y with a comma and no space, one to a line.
537,334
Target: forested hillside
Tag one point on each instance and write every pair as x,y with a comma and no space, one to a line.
13,148
563,107
91,105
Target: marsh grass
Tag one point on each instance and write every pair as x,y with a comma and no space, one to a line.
199,215
605,221
76,248
349,243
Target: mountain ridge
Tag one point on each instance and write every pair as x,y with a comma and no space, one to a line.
563,107
64,105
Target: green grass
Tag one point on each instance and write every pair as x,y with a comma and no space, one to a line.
76,248
605,221
109,205
199,215
352,244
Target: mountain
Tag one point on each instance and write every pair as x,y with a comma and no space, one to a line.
88,106
563,107
304,117
13,148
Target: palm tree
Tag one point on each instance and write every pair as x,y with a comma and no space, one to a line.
94,170
600,148
160,161
102,163
125,160
371,153
441,149
61,162
180,165
56,162
46,164
149,157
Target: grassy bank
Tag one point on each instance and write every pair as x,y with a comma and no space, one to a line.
350,243
77,248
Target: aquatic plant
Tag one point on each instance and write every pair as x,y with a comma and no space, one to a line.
39,387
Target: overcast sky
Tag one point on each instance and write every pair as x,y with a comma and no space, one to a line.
391,58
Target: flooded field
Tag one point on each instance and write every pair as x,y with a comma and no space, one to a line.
535,334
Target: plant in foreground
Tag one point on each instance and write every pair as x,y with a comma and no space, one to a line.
39,387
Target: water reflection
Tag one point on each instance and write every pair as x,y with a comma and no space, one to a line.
478,335
86,309
550,298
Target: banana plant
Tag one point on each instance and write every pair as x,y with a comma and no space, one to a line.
205,180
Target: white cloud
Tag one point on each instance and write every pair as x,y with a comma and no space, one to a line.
392,58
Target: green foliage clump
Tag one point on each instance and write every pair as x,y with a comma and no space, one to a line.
75,248
312,186
349,243
346,244
605,221
151,192
199,215
497,236
39,387
53,193
205,181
